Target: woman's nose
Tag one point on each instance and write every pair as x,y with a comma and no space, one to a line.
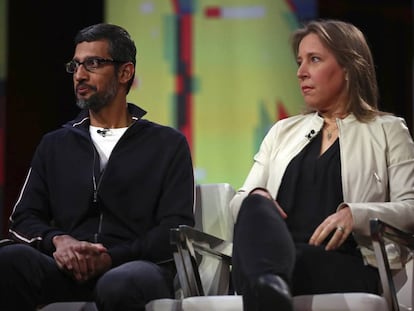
302,72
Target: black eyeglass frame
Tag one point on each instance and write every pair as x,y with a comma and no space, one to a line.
90,64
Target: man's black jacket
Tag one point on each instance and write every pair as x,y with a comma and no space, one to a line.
146,188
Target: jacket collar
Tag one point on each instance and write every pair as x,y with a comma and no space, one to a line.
82,121
318,120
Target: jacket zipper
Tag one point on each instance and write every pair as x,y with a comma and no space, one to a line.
95,195
96,186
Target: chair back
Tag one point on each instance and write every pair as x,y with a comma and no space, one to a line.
404,286
213,216
212,213
198,270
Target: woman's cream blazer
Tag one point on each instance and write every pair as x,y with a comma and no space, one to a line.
377,168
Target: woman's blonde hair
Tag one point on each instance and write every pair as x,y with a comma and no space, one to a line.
351,50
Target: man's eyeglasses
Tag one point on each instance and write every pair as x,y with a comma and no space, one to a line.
90,64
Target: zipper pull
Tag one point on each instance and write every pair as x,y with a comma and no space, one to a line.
95,196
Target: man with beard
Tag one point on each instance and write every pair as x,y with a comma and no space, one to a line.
93,217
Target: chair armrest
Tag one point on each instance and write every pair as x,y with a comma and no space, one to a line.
379,232
189,242
380,228
207,243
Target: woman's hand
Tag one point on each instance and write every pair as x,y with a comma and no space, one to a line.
340,224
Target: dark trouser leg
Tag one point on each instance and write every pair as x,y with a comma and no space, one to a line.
318,271
30,278
131,285
262,245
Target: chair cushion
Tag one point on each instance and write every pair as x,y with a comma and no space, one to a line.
164,304
204,303
323,302
340,302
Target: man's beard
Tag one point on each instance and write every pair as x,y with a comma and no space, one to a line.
98,100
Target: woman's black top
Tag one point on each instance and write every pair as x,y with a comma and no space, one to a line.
311,189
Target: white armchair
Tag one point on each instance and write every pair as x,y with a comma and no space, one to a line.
203,261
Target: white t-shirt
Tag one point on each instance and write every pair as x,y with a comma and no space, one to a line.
105,141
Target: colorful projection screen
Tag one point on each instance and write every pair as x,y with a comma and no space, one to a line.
222,72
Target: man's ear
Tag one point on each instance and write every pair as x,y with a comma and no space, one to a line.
126,72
